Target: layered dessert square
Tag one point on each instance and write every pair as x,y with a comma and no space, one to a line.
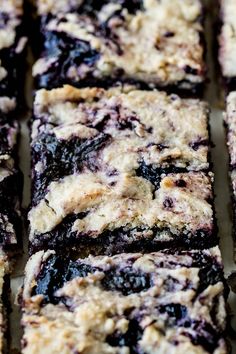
147,43
116,171
230,123
131,303
227,42
4,302
12,51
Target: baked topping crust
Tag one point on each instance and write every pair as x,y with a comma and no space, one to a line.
154,303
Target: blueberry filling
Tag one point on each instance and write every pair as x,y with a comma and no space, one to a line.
204,335
70,52
175,312
189,70
62,158
169,34
121,118
4,18
160,147
128,339
126,122
181,183
91,6
127,281
55,272
168,203
199,143
171,284
210,275
153,174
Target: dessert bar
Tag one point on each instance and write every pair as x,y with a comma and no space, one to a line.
227,42
4,302
230,122
131,303
117,171
12,52
148,43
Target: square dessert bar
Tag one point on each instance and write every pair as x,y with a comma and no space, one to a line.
4,302
98,43
131,303
117,171
12,50
230,122
227,42
10,186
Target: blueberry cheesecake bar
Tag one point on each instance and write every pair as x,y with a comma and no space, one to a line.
4,302
12,51
130,303
145,42
117,171
230,123
227,42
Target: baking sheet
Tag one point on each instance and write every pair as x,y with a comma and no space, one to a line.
223,204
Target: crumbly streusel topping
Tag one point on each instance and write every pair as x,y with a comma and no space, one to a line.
91,313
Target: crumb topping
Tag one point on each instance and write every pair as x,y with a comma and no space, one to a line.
90,314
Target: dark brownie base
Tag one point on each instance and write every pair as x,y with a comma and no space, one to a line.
195,91
119,240
183,89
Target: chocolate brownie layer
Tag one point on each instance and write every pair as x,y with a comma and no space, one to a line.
110,170
227,42
157,43
4,302
131,303
12,51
